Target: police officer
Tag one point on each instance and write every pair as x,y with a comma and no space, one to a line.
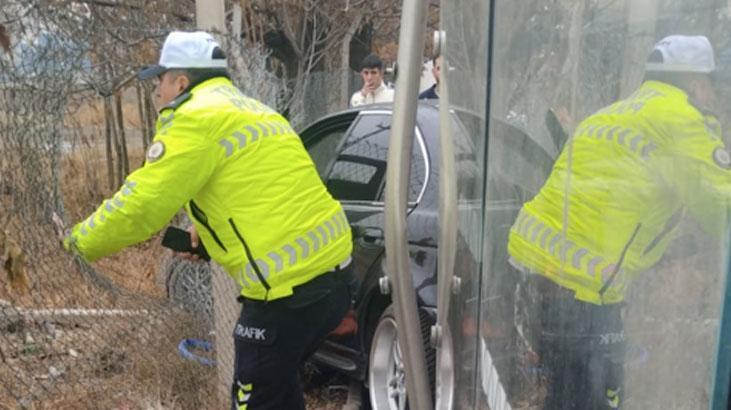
608,211
256,202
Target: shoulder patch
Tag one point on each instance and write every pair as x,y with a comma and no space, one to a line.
178,101
155,152
722,158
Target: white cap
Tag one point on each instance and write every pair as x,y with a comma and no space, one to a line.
689,54
186,50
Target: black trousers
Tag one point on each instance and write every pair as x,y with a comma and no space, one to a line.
273,339
580,345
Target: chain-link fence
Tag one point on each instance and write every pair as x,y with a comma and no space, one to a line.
135,330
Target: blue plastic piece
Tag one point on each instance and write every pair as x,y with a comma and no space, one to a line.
185,346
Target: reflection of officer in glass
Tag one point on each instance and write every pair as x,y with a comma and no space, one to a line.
608,212
259,206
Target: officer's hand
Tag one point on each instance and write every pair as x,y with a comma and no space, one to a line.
194,241
59,226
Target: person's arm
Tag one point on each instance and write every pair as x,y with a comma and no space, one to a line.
357,99
179,162
701,170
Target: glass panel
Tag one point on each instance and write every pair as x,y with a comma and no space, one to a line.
465,70
359,172
324,150
603,264
360,168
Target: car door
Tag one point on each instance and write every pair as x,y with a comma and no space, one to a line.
350,153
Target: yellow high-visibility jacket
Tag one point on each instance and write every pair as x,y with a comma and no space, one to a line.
618,190
248,185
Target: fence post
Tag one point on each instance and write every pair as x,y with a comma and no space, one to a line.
225,313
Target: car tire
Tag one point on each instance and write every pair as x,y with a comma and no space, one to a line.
188,284
386,382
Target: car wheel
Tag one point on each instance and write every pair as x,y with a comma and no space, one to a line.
189,285
386,371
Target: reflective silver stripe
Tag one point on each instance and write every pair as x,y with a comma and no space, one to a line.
338,224
529,221
263,267
282,129
647,149
633,144
323,234
330,228
275,130
315,240
546,232
552,245
168,118
242,278
344,220
318,237
622,135
247,103
102,217
591,267
540,234
590,130
109,207
264,129
241,137
126,191
91,221
565,247
250,273
253,131
278,265
521,218
578,255
117,202
608,270
83,229
600,131
292,253
536,231
228,146
305,247
610,134
130,184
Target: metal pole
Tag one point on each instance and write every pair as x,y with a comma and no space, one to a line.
722,372
447,283
411,48
641,22
210,15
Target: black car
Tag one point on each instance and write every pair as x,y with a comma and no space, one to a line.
350,151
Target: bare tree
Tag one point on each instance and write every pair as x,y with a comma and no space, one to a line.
308,36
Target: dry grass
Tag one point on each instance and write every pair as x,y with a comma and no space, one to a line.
110,363
112,367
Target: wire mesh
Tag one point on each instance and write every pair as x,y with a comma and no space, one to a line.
73,122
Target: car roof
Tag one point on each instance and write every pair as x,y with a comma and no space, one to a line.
425,107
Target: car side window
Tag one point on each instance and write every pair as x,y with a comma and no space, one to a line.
360,169
323,151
